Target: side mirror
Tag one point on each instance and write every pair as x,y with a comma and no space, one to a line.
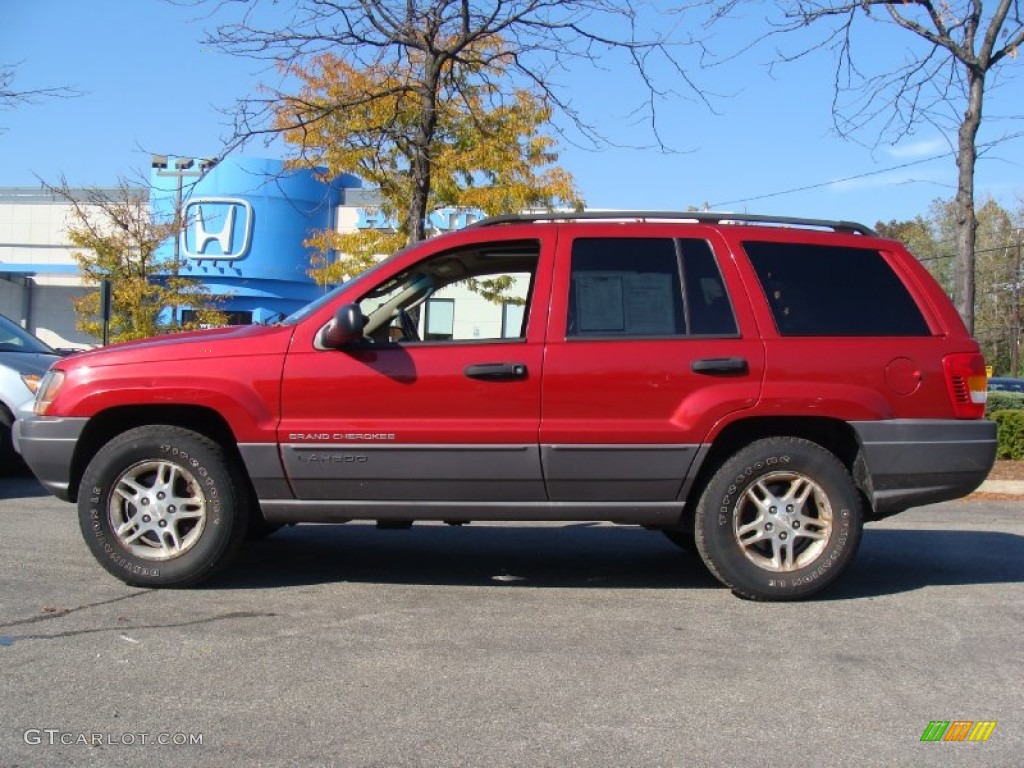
346,327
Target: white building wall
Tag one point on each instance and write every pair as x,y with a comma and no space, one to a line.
53,312
41,280
38,275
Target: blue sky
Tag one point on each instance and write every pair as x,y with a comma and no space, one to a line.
149,86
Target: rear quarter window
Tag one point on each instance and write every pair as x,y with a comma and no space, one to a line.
820,290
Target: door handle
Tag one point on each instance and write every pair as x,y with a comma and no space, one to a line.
720,366
496,371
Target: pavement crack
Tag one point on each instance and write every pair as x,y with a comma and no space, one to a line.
122,628
67,611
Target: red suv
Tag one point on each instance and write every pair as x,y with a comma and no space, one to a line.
756,388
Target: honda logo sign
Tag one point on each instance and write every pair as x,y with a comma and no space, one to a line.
217,228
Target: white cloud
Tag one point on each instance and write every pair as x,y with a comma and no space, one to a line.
922,148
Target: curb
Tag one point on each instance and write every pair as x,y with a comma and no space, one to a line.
1006,487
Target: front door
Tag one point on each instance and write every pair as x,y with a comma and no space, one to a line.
441,401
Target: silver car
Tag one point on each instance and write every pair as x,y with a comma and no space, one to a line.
23,361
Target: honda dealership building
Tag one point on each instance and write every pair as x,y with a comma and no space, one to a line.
246,220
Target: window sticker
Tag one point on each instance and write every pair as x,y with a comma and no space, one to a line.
600,302
625,302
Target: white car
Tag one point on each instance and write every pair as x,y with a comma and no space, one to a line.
23,361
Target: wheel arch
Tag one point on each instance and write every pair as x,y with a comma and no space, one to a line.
107,424
835,435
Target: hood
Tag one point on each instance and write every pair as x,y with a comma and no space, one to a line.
28,362
233,341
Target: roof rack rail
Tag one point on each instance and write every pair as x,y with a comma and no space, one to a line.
702,217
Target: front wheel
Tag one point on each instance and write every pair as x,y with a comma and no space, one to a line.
158,507
780,520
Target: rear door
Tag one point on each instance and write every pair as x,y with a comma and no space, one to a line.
649,346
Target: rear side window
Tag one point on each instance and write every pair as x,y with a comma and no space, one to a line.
817,290
635,287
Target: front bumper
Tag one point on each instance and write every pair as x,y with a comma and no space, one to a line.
911,462
47,444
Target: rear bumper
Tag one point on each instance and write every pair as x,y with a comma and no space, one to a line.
47,445
910,462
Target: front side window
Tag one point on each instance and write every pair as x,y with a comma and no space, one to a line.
480,293
819,290
485,307
637,287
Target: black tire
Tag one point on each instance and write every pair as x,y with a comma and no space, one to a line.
9,459
764,548
159,507
11,462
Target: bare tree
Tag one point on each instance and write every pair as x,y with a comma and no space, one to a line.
529,42
11,96
941,80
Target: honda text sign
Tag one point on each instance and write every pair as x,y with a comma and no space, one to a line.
217,228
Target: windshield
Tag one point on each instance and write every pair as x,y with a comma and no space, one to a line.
314,305
14,338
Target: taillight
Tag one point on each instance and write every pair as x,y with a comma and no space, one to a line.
967,383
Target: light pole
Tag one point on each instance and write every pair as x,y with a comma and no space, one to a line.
183,168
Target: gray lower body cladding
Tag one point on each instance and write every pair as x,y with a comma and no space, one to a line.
902,463
652,514
638,484
48,446
911,462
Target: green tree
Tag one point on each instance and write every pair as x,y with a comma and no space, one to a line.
118,241
997,307
997,300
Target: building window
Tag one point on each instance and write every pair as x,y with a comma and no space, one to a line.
439,320
512,315
232,318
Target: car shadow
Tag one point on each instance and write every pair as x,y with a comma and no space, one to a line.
593,556
572,555
892,561
19,483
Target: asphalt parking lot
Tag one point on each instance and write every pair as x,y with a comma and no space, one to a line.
509,645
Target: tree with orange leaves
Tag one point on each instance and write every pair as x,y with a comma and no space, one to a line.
474,148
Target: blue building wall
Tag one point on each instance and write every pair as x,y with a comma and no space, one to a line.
245,222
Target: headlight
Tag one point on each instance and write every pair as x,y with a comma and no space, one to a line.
31,381
47,390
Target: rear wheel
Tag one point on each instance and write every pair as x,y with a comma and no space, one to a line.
158,507
780,520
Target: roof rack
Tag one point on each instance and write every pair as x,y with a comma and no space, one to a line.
702,217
